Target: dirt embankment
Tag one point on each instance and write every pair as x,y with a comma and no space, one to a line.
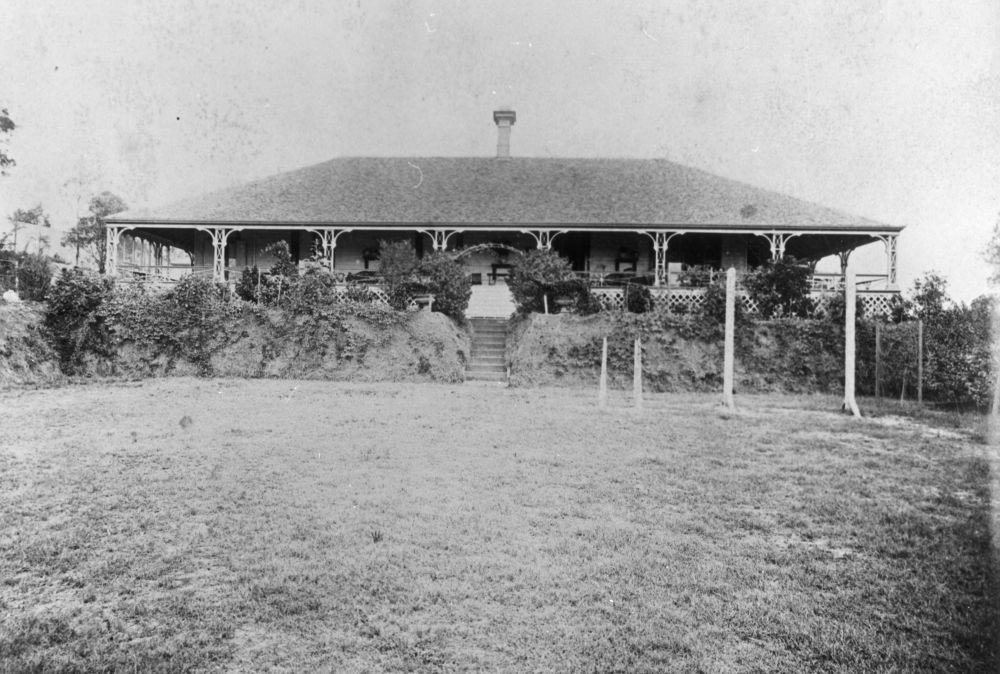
424,347
775,356
25,356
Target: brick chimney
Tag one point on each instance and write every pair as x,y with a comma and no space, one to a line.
504,118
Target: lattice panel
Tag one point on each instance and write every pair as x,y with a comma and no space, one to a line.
821,303
376,294
688,300
678,301
876,305
749,305
611,299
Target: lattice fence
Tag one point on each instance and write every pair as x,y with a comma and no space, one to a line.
668,300
876,304
375,294
871,304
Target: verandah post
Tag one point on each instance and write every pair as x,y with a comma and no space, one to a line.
730,355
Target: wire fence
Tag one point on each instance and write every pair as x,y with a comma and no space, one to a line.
927,362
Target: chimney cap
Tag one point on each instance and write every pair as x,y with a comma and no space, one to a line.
504,113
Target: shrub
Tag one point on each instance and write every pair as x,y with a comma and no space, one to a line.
537,274
399,266
696,276
713,306
73,321
248,287
315,289
34,273
959,367
284,265
781,288
638,298
446,277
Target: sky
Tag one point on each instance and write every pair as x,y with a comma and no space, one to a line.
887,110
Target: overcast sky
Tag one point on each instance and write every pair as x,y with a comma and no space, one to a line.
887,110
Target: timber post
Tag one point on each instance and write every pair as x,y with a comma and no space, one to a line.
850,309
730,356
602,387
637,374
920,361
878,361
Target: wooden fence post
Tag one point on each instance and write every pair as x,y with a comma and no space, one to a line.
602,391
920,362
730,356
850,308
637,374
878,361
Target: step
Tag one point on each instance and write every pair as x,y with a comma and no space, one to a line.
487,361
493,377
479,350
482,343
486,369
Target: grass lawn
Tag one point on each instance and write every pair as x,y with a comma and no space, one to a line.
207,525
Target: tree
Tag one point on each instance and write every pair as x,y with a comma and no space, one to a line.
6,127
993,253
36,217
540,273
929,299
77,238
90,231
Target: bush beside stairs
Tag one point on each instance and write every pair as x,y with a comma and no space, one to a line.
487,361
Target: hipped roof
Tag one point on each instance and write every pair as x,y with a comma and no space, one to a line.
475,192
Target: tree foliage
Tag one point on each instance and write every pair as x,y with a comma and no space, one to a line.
398,266
33,273
22,218
993,253
7,126
89,233
539,274
446,277
928,300
73,321
781,288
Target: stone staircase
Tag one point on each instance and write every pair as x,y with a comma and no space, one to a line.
487,361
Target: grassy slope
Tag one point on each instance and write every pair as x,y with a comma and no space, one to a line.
308,525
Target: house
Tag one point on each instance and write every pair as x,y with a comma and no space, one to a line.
612,218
